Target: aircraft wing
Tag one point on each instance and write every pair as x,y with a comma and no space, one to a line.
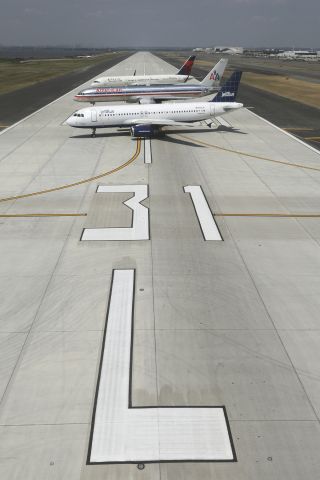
154,121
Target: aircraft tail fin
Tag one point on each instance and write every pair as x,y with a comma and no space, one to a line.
215,75
228,91
187,66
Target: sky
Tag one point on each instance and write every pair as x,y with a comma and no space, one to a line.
149,23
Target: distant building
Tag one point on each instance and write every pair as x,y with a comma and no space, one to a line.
226,50
297,54
229,50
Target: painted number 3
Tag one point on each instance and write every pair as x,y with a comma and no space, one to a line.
139,229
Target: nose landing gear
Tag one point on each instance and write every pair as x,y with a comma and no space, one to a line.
93,134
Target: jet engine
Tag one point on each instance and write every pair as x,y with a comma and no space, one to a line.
143,131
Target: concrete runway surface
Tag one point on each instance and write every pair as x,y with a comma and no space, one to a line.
296,117
222,355
18,104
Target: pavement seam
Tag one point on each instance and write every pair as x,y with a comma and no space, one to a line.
250,155
81,182
54,101
19,359
275,330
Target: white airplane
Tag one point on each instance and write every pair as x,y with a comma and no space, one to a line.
147,120
155,93
183,75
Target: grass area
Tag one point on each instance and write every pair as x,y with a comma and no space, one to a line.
298,90
15,74
301,91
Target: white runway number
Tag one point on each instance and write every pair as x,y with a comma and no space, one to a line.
140,224
206,219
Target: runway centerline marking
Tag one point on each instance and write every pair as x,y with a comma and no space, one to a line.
121,433
147,151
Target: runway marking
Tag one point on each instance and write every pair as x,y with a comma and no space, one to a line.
51,103
81,182
286,133
315,139
250,155
23,215
280,215
121,433
206,220
147,151
223,122
139,229
293,129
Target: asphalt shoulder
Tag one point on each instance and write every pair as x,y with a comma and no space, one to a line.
18,104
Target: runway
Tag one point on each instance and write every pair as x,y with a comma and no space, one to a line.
18,104
298,118
206,243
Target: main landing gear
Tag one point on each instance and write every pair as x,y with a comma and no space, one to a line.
93,134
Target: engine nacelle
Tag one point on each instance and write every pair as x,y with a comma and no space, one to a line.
133,100
143,131
147,101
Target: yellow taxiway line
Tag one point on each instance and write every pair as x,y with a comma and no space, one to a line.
27,215
315,139
250,155
81,182
296,129
224,214
277,215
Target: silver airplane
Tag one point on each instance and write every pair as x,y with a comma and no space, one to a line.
155,93
183,75
147,120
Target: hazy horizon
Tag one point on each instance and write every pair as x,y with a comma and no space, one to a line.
145,24
158,47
